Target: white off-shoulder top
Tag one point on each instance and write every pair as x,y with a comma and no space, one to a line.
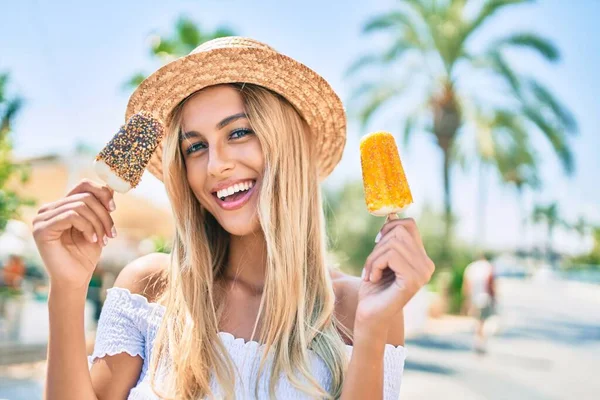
129,323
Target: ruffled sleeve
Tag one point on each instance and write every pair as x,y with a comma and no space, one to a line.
393,368
122,325
393,365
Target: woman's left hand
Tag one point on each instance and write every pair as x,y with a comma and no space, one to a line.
393,273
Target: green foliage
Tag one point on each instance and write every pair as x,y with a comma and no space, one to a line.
10,201
161,245
350,228
593,257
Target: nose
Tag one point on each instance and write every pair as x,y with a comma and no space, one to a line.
219,161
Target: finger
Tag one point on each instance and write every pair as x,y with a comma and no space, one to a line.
71,219
378,265
400,235
378,250
81,209
93,203
103,193
100,212
389,262
389,259
402,241
389,218
409,224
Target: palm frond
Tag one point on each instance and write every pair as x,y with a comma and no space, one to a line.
377,94
362,62
563,115
134,81
405,28
409,126
3,84
396,51
383,22
555,136
530,41
488,9
505,71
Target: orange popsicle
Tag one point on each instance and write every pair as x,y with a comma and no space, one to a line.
386,188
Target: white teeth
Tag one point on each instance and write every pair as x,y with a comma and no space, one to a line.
238,187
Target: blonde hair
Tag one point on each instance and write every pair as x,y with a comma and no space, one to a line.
297,305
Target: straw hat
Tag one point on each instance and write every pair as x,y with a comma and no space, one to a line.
240,59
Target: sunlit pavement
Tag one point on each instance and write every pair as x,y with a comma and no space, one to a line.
547,346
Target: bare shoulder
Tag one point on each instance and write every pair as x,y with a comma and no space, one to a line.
145,275
346,289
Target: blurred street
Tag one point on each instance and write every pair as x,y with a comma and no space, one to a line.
547,344
548,339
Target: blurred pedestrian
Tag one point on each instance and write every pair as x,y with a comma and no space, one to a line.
13,272
480,296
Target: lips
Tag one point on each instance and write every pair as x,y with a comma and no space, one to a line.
236,200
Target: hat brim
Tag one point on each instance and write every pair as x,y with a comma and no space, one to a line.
307,91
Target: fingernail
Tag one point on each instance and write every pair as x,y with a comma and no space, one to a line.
95,238
114,232
362,274
105,240
371,277
378,237
111,205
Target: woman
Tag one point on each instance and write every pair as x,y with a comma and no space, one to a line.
245,305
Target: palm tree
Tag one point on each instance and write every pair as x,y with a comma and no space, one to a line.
187,36
550,216
430,42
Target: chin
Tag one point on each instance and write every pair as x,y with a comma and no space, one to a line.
241,228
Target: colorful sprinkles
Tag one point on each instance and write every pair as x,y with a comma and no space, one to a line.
129,151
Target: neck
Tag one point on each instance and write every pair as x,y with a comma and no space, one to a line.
246,264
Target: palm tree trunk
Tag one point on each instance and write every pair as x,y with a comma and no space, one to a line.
549,250
481,200
447,245
523,215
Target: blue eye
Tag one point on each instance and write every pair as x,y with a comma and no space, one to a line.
240,133
196,146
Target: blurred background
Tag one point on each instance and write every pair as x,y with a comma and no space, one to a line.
494,107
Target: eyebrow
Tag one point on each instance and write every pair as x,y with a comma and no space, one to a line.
226,121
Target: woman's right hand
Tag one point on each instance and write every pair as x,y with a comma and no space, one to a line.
71,232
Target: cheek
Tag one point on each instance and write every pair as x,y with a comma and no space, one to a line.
255,157
196,176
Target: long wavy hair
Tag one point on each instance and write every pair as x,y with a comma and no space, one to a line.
297,305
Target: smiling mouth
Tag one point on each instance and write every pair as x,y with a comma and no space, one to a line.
236,196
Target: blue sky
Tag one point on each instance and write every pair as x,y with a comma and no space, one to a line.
69,59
